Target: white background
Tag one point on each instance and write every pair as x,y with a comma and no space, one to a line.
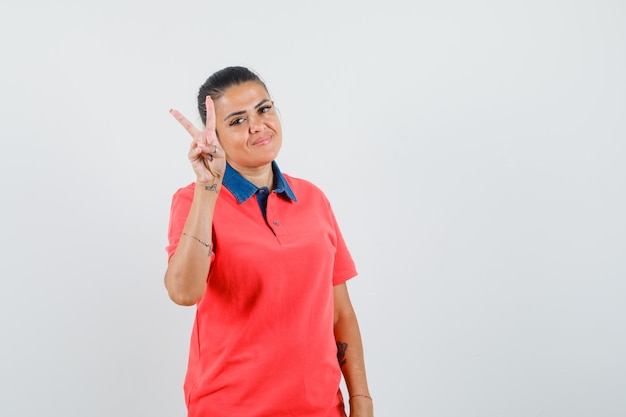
473,153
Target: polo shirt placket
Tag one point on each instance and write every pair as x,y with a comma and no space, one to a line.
275,221
269,201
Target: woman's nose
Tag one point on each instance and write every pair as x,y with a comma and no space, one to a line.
255,123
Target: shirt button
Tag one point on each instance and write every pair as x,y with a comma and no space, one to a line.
275,223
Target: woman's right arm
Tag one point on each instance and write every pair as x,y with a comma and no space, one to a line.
188,268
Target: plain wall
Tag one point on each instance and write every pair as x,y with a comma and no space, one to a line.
473,153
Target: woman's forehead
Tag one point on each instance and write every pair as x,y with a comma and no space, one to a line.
241,97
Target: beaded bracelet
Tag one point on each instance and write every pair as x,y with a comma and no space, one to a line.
360,395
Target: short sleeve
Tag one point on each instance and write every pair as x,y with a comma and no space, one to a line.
344,267
181,204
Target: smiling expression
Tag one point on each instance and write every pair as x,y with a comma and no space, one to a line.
248,126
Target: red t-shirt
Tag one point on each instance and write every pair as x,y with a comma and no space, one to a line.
262,343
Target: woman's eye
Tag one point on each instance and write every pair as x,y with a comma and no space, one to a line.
237,121
265,109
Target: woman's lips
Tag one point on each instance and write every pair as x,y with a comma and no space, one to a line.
262,141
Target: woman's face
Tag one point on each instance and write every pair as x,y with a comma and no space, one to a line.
247,126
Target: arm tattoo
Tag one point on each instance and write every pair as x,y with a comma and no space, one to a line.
341,353
212,187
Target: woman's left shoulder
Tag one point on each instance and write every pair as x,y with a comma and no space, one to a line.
302,186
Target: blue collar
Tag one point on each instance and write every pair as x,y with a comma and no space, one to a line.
243,189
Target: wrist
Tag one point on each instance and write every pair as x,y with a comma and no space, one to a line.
207,189
360,396
208,180
208,183
361,405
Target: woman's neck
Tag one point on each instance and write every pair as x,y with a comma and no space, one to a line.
262,176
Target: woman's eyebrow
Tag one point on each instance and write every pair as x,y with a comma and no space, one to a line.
235,113
240,112
262,102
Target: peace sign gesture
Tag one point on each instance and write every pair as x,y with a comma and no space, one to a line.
207,157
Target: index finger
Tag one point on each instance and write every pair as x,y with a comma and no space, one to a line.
189,127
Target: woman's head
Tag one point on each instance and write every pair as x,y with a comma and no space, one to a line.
246,121
217,84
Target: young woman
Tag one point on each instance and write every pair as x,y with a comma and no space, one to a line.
261,255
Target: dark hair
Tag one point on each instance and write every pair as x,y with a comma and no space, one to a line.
217,84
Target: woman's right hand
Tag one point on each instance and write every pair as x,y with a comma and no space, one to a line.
207,157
